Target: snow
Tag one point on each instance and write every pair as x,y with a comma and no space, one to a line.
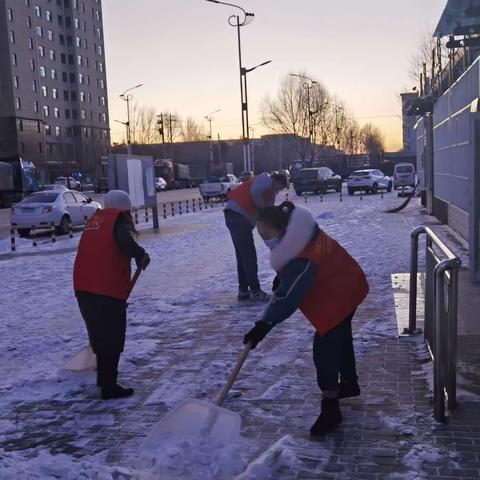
190,283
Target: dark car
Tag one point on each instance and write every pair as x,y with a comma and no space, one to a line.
244,176
101,185
316,180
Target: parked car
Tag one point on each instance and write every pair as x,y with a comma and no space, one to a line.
53,186
101,185
317,180
218,187
73,184
160,184
244,176
57,207
368,180
403,175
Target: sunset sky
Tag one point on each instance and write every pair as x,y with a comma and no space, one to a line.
185,54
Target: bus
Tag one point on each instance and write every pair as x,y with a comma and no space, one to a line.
18,178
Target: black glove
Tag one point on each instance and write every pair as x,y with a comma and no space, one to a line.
143,262
276,283
256,334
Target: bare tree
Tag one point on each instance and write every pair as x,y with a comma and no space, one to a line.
372,139
191,131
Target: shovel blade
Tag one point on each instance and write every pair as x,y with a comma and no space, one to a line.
194,419
84,360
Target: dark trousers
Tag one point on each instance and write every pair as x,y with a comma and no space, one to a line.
242,236
106,321
333,355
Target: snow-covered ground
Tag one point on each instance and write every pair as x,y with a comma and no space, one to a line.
184,333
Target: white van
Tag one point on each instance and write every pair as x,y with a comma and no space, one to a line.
403,175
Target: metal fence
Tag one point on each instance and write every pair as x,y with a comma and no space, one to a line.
441,301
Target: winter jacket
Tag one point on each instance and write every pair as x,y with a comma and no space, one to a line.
252,195
102,264
315,274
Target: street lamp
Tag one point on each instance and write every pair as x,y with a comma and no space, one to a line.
241,21
123,123
128,97
209,117
311,135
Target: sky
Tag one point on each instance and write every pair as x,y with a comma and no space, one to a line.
186,56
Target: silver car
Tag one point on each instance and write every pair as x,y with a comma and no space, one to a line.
59,208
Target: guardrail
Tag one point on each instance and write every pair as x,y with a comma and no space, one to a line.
441,304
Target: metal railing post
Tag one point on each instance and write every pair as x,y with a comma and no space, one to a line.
412,311
452,333
438,388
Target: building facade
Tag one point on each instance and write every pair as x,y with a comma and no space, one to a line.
408,123
53,89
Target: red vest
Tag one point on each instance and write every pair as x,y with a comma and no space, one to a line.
339,286
243,196
100,267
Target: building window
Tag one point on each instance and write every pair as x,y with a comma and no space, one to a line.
86,62
20,125
72,78
74,114
18,103
84,26
88,79
61,39
89,97
39,127
78,42
34,85
70,59
14,60
36,108
85,132
76,22
55,93
64,76
44,91
29,22
100,66
73,96
46,111
85,44
48,15
39,32
63,58
51,37
82,96
30,43
10,14
32,65
38,11
99,33
47,130
11,34
69,131
16,82
79,60
41,51
83,114
80,78
97,15
56,112
53,74
104,117
60,20
57,131
75,4
43,71
67,113
52,55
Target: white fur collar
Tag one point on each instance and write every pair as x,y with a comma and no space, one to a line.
296,238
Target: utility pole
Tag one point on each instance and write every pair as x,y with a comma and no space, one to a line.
219,149
161,131
170,127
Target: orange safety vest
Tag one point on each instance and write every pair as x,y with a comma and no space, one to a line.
339,286
100,267
243,196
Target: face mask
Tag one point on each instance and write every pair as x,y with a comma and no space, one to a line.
272,243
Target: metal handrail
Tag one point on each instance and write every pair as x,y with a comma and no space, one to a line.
441,306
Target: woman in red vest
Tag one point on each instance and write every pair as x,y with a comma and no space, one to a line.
101,280
318,276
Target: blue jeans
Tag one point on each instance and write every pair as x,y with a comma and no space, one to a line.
241,232
333,355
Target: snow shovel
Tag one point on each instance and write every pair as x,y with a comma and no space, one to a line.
86,359
199,420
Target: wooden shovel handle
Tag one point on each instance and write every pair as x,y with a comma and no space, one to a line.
137,273
233,375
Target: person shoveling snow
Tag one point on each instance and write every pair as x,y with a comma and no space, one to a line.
101,280
318,276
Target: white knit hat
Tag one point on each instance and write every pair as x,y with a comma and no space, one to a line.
118,199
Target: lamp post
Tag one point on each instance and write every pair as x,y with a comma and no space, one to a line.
209,117
126,126
128,97
238,21
311,133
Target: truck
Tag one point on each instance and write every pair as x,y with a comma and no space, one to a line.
218,186
176,175
18,178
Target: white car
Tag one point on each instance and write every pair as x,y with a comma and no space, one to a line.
403,175
368,180
160,184
218,187
57,207
54,186
74,184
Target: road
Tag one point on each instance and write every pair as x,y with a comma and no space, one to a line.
162,197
